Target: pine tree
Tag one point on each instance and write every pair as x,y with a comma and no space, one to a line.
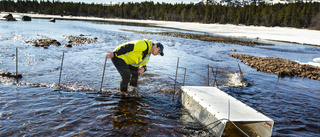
183,14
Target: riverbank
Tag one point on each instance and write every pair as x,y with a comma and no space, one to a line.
291,35
208,38
279,66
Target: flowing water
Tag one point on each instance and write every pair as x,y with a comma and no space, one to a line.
35,107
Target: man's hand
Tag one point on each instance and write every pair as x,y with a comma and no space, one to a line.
109,55
141,70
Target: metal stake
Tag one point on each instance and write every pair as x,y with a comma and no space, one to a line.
208,76
61,69
175,80
229,110
17,65
138,75
104,68
184,78
241,74
215,77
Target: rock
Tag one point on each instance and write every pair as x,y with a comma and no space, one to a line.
44,42
52,20
8,74
68,45
55,42
75,41
26,18
234,49
9,17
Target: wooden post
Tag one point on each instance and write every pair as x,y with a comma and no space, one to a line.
104,68
175,80
61,69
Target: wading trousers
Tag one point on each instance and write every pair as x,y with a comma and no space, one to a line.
128,73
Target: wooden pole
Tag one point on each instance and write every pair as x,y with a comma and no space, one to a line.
175,80
61,69
104,68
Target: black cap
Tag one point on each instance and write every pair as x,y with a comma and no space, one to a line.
161,48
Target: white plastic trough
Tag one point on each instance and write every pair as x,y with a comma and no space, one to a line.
216,109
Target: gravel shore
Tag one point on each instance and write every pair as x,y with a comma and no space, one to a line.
279,66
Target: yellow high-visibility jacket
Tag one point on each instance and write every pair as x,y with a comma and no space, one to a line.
135,53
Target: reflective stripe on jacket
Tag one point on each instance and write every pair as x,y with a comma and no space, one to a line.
133,51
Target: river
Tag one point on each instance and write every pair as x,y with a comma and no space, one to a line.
42,110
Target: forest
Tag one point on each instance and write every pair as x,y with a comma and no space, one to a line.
298,15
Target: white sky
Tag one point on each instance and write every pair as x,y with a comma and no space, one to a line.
113,1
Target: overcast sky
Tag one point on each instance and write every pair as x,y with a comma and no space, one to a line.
113,1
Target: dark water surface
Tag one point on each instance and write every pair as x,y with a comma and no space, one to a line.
293,103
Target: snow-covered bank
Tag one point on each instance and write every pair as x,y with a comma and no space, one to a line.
302,36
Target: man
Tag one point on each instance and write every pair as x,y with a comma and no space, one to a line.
131,58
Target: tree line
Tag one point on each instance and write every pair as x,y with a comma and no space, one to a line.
299,14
